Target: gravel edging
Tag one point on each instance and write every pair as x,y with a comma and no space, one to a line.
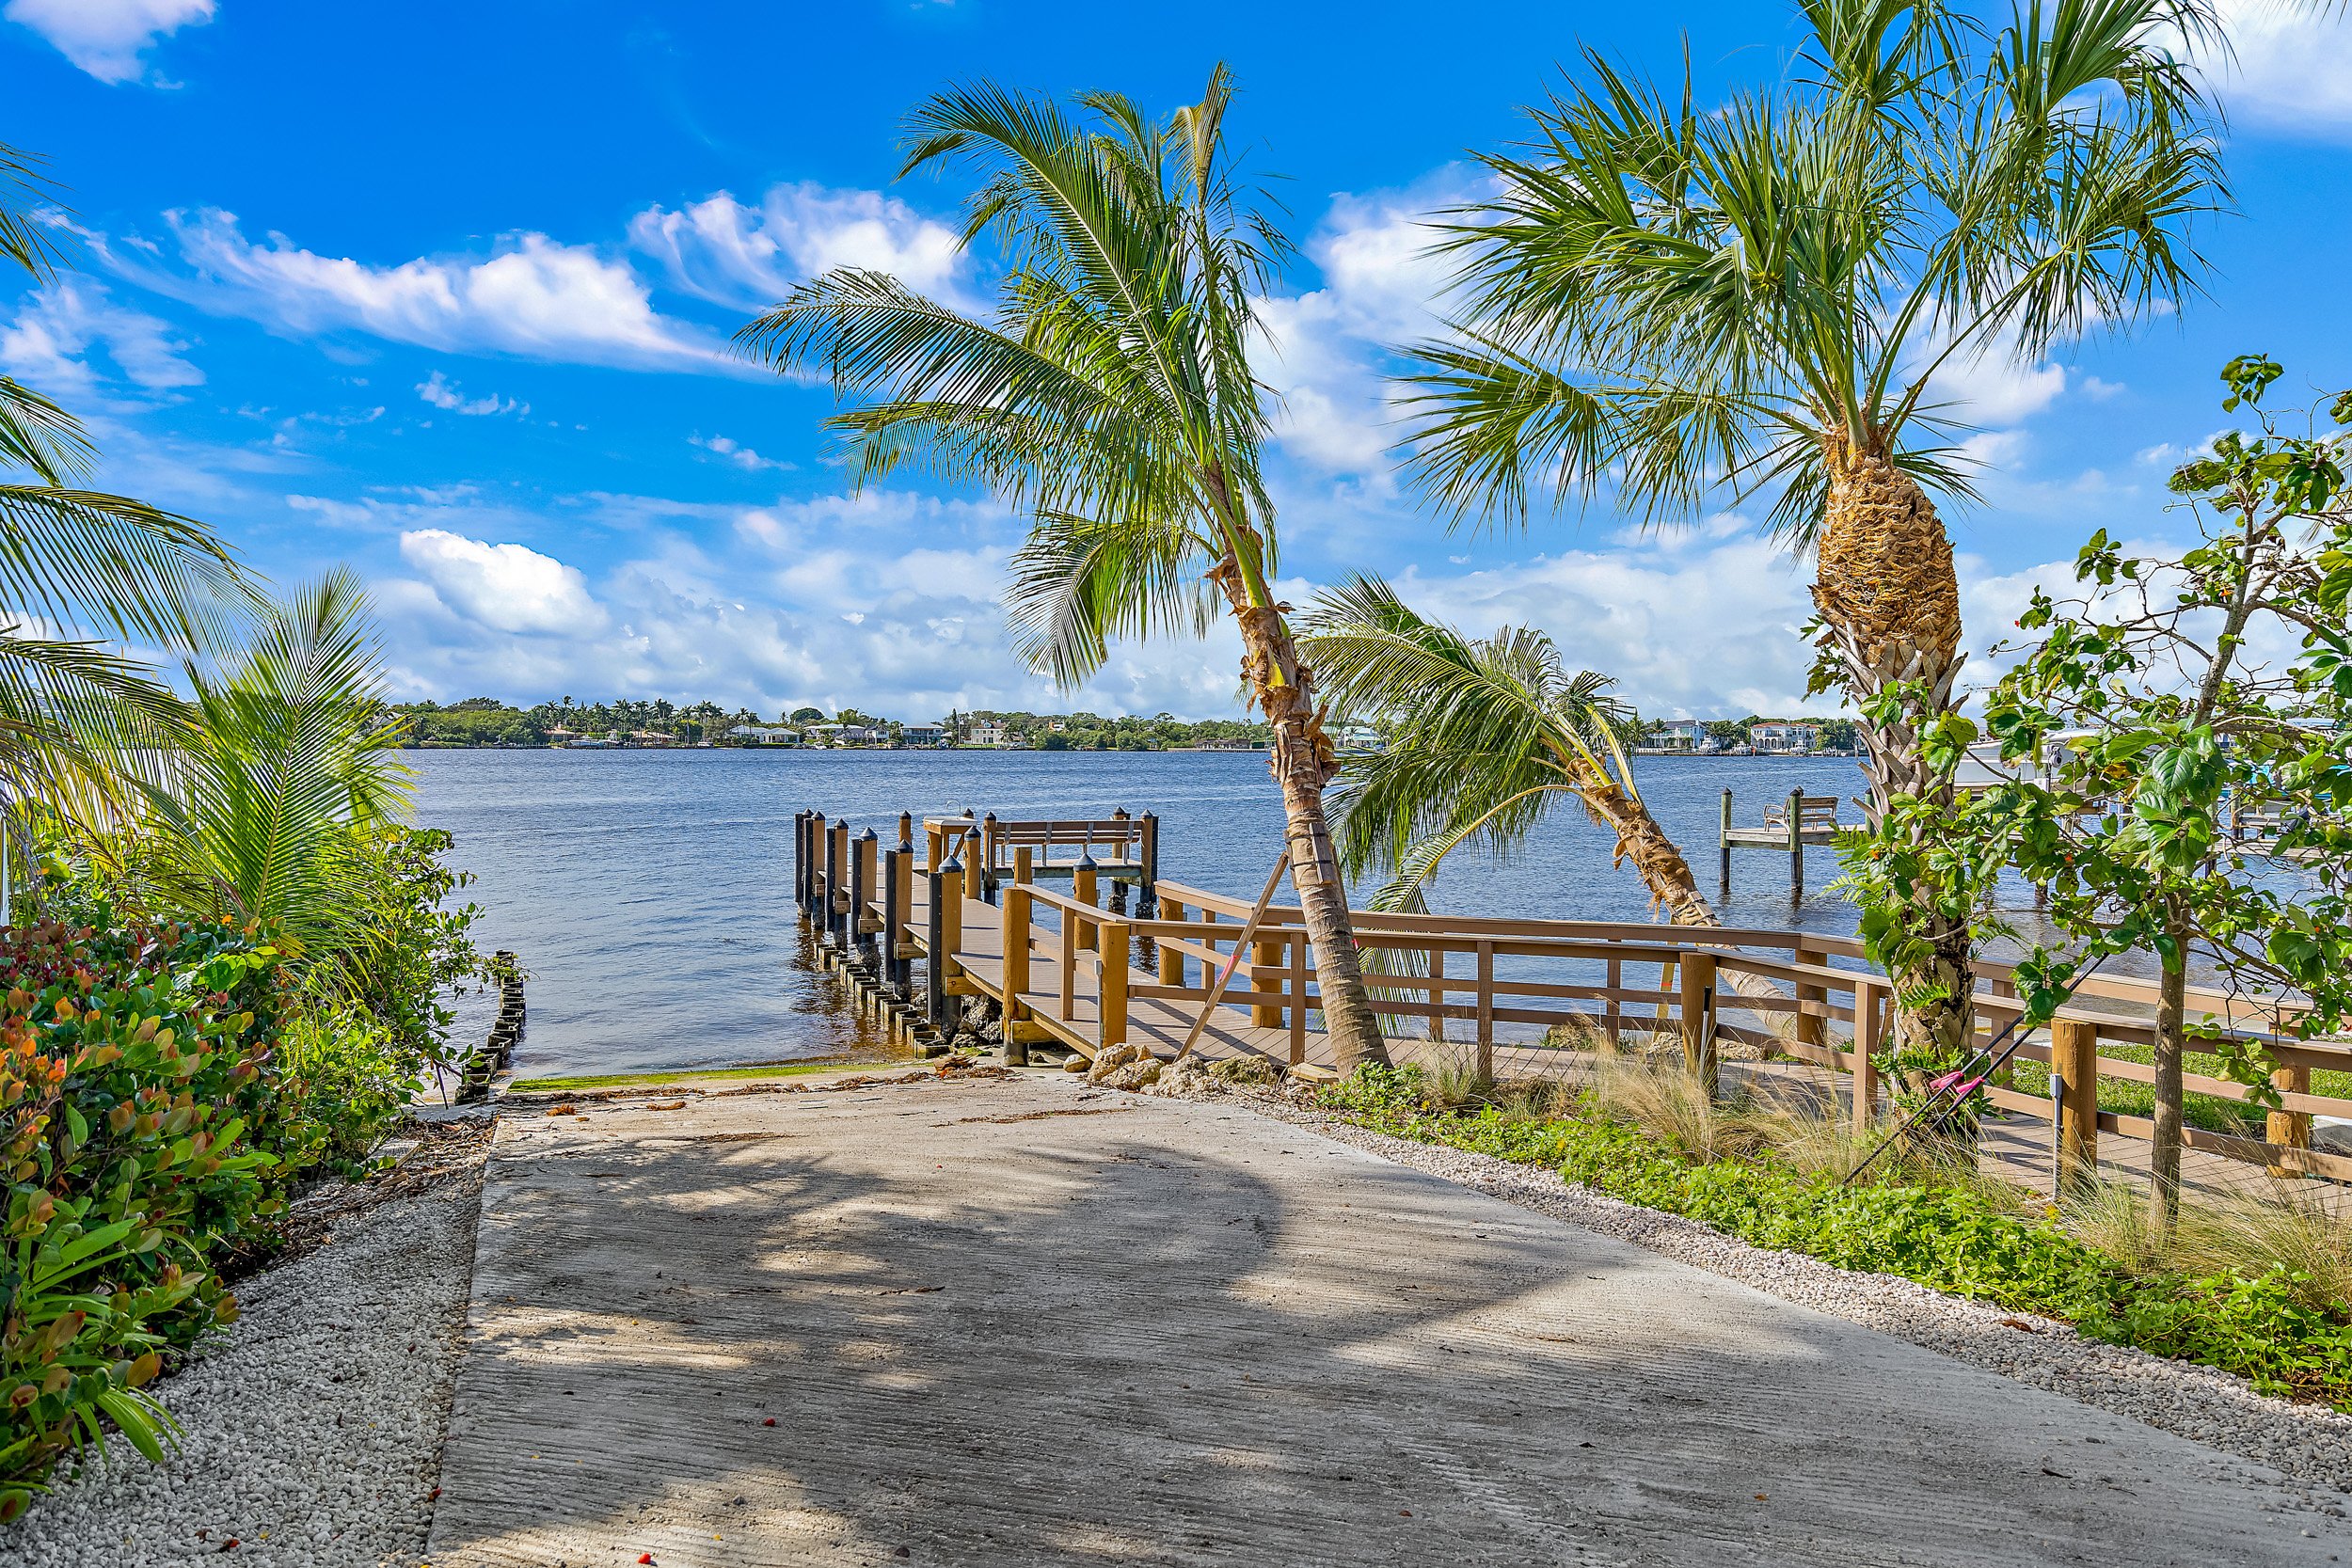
2309,1445
311,1433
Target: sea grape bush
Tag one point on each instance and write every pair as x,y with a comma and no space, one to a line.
142,1136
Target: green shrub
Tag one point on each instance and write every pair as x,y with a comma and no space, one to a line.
142,1135
1950,1238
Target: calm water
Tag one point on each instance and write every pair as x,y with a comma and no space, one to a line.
648,894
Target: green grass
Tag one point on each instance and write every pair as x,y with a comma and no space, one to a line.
681,1075
2124,1098
1948,1235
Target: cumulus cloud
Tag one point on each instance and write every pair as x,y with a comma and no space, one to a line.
506,588
49,344
535,297
2287,68
735,452
745,255
437,390
106,37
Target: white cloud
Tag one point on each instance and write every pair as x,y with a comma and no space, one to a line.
106,37
48,345
438,391
738,453
535,297
1990,386
743,256
507,588
1326,351
2288,68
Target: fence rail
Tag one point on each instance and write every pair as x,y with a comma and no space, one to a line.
1067,968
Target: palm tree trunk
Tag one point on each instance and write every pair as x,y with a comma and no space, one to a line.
1656,858
1304,760
1890,601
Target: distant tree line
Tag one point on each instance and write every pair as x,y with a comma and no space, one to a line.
491,722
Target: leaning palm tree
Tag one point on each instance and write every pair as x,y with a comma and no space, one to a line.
1110,398
1688,306
1487,736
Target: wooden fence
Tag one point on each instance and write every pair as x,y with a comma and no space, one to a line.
1064,967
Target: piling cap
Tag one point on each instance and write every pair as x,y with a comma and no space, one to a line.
868,836
1085,861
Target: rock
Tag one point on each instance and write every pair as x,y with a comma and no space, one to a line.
1187,1075
1124,1067
1239,1070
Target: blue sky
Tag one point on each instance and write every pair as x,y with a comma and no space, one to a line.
442,291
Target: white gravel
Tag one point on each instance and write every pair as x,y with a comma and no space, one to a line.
312,1437
2311,1445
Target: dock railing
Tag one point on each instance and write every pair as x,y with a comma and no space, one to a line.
1067,968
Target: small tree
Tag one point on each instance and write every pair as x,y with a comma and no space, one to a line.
2164,706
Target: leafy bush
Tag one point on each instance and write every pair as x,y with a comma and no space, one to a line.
142,1135
2264,1326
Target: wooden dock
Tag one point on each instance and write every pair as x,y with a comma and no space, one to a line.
1070,970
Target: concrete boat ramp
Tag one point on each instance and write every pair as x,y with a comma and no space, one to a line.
1015,1320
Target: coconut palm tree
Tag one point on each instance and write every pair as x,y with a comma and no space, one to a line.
75,716
1110,396
1692,307
1486,735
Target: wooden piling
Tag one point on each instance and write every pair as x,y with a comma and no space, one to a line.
894,918
1796,844
935,934
987,870
800,859
817,839
901,946
1171,961
862,889
1266,968
1869,1033
2290,1129
1083,884
1148,855
838,857
1115,937
2075,1066
1723,840
1698,1019
1486,1011
1015,902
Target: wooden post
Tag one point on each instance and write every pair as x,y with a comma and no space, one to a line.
862,888
1698,1019
1112,985
2290,1129
1724,839
1868,1030
1024,865
906,831
817,870
1147,851
1486,1011
894,917
1614,1013
800,859
1016,933
1069,1001
1812,1030
841,857
1297,988
1083,884
1796,842
949,892
935,935
2075,1066
988,857
1437,994
1171,961
901,949
1265,959
934,838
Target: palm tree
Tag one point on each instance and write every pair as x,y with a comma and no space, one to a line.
290,756
75,716
1110,396
1691,305
1487,736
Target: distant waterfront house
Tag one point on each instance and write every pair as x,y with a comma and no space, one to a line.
1677,735
648,738
558,736
989,732
921,735
755,735
1359,737
1785,740
843,734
